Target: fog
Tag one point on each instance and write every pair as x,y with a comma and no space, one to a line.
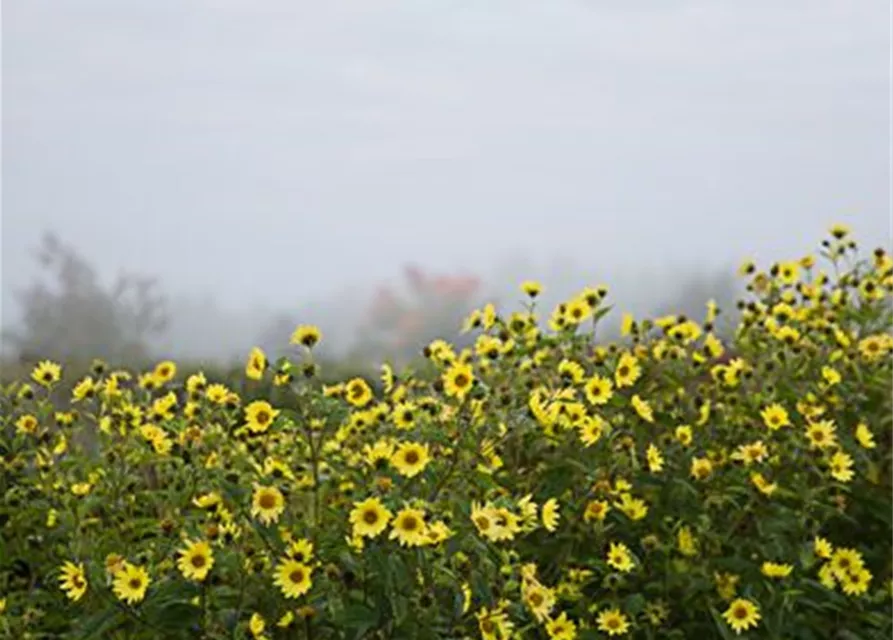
279,161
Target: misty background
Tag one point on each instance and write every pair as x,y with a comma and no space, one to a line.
275,162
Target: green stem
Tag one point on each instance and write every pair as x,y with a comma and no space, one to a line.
454,462
239,602
204,617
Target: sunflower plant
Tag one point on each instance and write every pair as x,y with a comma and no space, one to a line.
541,484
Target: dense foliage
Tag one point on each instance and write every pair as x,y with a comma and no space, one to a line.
539,484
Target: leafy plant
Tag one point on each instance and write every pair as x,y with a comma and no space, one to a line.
533,484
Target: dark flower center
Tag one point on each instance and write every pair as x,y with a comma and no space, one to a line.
267,501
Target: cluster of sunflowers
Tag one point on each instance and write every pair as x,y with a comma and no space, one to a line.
539,484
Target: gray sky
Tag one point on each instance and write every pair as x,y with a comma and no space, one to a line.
283,149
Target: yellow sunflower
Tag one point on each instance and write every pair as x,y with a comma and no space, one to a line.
300,550
73,580
369,518
571,371
358,392
561,628
822,548
538,599
267,504
482,517
293,578
46,373
83,390
307,335
627,371
844,561
655,459
760,482
257,364
596,510
865,436
256,625
875,347
403,415
438,532
643,409
855,583
130,583
598,390
495,624
195,560
164,372
411,458
633,508
701,468
378,454
742,615
27,424
531,288
775,417
591,429
686,542
216,393
409,528
259,415
841,466
612,622
619,557
457,380
684,435
577,311
776,569
506,525
550,514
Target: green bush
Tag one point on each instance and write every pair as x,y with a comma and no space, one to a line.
535,484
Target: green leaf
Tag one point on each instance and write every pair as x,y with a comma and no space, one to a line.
98,625
721,625
358,618
634,604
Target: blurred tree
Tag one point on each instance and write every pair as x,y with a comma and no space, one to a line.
69,316
397,327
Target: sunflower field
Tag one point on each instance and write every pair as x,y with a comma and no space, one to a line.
538,484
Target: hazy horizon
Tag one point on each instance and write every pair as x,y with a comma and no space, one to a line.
294,155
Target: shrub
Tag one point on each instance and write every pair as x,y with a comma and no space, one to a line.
538,485
73,317
398,326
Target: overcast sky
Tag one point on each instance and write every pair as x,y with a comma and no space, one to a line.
250,148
